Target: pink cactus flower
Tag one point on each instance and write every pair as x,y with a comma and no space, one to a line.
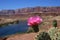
34,20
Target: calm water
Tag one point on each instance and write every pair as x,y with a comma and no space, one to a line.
15,28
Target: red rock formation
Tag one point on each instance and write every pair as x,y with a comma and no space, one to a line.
29,10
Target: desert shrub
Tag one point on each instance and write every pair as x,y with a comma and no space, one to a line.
11,22
43,36
54,33
5,24
0,25
17,21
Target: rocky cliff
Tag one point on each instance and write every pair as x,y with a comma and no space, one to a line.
31,10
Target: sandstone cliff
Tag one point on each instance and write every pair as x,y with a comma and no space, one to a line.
31,10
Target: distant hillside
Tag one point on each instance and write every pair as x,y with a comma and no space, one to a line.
30,10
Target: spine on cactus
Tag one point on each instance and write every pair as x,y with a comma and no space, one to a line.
42,36
54,33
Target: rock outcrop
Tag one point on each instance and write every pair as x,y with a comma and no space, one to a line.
29,10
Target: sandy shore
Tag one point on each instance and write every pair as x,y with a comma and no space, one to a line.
28,36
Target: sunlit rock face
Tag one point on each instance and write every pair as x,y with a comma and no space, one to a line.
30,9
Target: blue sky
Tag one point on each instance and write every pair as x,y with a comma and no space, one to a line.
15,4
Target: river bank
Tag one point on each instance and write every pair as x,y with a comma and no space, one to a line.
26,36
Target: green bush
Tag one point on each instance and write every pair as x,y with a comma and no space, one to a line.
54,33
43,36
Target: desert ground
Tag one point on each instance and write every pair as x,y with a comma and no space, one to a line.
46,24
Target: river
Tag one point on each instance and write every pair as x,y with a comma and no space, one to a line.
14,28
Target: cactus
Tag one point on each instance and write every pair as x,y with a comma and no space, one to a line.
54,33
43,36
55,23
35,28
